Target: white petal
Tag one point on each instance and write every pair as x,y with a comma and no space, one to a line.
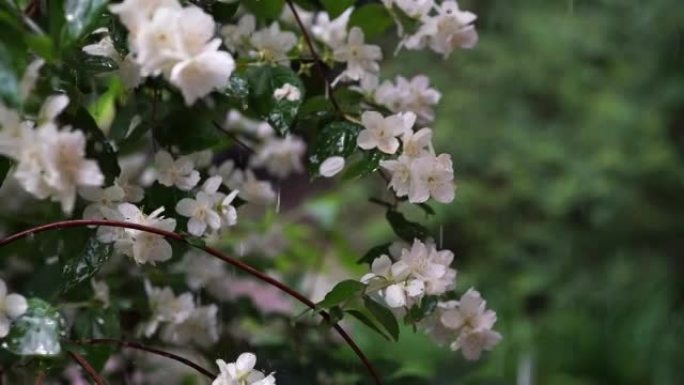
4,326
15,305
186,207
394,296
331,166
246,362
196,227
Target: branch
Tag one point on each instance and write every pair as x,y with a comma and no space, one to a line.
88,368
141,347
212,251
234,137
41,378
317,59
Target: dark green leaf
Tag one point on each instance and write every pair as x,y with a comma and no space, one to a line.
336,7
263,81
374,253
5,165
364,166
335,139
427,208
9,71
97,322
82,16
265,9
98,147
238,88
419,311
384,316
404,228
342,292
223,12
367,319
94,65
37,332
373,19
189,129
84,266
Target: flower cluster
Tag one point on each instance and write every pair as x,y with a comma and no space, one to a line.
242,372
51,160
467,322
142,246
210,209
182,320
443,27
420,270
176,42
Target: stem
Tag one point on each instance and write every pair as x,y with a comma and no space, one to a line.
139,346
314,55
88,368
212,251
237,140
41,378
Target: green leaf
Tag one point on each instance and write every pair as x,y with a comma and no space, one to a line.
263,81
404,228
265,9
342,292
427,208
419,311
374,253
84,266
5,166
238,89
10,56
223,12
334,139
336,7
37,332
97,322
94,65
98,147
364,166
82,16
367,319
373,19
384,316
190,129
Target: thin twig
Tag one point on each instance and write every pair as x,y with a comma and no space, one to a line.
92,373
235,138
317,59
212,251
141,347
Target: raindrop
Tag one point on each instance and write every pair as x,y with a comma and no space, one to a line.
241,249
277,208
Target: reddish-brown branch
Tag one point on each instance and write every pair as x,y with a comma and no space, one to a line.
92,373
40,379
212,251
141,347
317,59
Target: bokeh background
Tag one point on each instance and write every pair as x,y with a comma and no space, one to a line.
566,126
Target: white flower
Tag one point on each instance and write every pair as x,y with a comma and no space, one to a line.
179,172
413,95
142,246
362,59
102,198
430,266
166,307
242,372
474,324
331,166
200,327
432,177
448,29
256,191
288,92
201,74
236,37
415,144
393,282
332,33
200,269
104,47
280,156
12,306
272,44
202,210
380,132
51,161
135,13
227,210
413,8
400,170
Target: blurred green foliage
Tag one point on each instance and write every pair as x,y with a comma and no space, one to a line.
566,124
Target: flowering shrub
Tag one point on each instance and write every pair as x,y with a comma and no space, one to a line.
168,126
